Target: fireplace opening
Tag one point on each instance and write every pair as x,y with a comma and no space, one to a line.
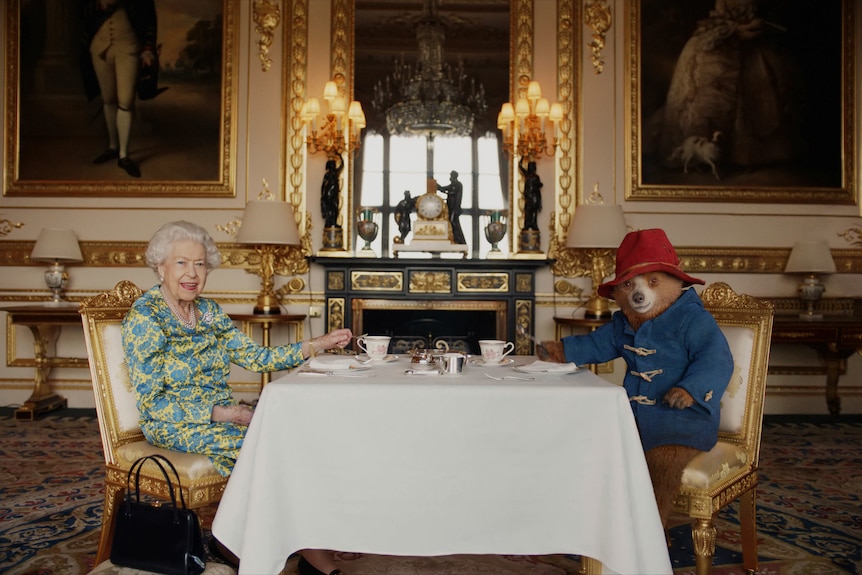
413,324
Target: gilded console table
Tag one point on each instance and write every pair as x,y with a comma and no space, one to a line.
835,338
266,321
43,321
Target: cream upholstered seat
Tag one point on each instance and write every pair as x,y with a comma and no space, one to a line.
728,471
118,416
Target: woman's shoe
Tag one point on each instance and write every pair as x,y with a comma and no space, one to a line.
306,568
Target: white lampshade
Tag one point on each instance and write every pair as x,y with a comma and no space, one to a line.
810,257
268,222
57,245
597,226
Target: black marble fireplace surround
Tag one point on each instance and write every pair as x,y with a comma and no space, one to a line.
419,302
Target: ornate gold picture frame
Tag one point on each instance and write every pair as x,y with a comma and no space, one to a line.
735,101
182,133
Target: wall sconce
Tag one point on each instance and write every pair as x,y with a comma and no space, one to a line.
810,258
598,228
524,123
270,226
332,133
58,246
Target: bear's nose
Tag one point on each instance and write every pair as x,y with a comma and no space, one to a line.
638,297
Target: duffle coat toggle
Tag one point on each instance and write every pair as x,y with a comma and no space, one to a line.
647,375
641,351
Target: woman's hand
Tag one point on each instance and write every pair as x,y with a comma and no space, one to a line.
336,338
239,414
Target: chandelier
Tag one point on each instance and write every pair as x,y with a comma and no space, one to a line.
435,98
524,124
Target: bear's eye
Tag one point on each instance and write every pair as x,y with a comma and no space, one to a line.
653,280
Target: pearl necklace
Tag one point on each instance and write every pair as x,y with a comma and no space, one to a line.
187,323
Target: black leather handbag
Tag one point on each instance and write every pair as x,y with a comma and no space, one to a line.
162,539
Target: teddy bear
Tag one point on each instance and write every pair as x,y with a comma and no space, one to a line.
678,360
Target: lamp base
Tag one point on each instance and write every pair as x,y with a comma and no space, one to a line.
598,308
267,304
266,310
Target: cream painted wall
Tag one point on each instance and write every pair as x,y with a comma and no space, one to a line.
260,115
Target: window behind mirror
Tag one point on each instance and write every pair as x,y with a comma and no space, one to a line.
391,165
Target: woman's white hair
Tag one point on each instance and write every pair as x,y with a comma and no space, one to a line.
163,241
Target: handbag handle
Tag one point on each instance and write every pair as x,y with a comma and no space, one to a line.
156,459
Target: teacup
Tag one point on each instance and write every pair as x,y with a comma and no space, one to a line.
494,350
375,346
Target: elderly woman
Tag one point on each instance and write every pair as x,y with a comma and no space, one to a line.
179,347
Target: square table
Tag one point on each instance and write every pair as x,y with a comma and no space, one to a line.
395,464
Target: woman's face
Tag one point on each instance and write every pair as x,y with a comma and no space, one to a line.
185,270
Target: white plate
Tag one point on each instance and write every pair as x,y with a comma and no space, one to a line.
387,359
330,362
503,362
534,369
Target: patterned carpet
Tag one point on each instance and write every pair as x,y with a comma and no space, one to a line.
809,519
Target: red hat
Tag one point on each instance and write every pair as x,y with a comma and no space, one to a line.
642,252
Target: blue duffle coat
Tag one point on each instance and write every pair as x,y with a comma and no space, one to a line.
683,347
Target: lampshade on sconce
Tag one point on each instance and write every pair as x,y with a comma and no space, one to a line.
58,246
269,225
599,228
811,259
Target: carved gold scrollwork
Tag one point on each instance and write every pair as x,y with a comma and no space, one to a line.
598,16
523,318
483,282
266,17
335,312
430,282
124,294
376,281
6,226
853,236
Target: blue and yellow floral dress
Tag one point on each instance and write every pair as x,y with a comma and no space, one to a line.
179,374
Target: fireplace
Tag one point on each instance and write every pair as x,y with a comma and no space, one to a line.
420,302
422,324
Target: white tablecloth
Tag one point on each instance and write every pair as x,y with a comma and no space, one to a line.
394,464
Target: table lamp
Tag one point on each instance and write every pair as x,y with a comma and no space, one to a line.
810,259
599,228
269,225
58,246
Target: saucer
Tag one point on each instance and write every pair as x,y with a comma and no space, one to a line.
547,368
386,359
503,362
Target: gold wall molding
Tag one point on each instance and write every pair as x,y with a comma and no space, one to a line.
570,263
294,79
266,15
573,262
568,71
131,254
597,15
